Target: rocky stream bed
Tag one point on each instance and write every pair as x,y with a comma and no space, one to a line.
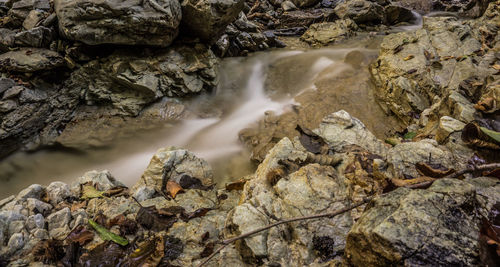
395,103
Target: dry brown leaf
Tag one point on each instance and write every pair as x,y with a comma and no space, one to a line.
81,235
236,185
485,104
433,170
496,66
173,188
78,205
447,57
408,57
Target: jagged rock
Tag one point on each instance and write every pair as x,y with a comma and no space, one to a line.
30,60
415,67
58,223
6,84
463,8
16,242
361,11
117,22
309,190
436,226
329,32
207,20
130,80
33,18
36,221
176,163
101,180
304,18
288,6
447,126
36,206
36,37
33,191
57,192
397,14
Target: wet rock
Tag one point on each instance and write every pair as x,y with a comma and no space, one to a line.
30,60
207,20
436,226
304,18
33,191
35,37
176,163
12,92
130,80
118,22
7,105
5,84
101,180
397,14
361,11
321,34
58,192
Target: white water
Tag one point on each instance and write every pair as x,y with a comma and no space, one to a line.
241,97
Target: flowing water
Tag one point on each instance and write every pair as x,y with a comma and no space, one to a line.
273,82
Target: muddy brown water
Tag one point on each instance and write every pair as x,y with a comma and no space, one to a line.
260,99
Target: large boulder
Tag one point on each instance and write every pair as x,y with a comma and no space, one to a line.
438,226
468,8
207,19
361,11
130,80
134,22
30,60
329,32
416,69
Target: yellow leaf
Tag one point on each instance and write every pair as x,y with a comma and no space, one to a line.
173,188
408,57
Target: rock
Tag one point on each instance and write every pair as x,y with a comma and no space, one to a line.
325,33
361,11
117,22
403,157
36,206
41,234
16,242
304,18
101,180
129,80
415,67
33,191
30,60
58,192
243,24
7,106
288,6
16,227
308,190
177,163
6,200
13,92
58,223
447,126
5,84
341,130
33,18
142,193
490,98
207,20
397,14
36,221
35,37
436,226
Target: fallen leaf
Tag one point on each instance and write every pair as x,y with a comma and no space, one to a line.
195,214
485,104
117,191
173,248
150,218
472,134
89,192
105,254
189,182
493,173
105,234
127,226
428,55
489,237
493,134
409,135
237,185
311,141
173,188
205,236
411,71
393,141
80,235
433,170
398,48
447,57
72,255
78,205
408,57
496,66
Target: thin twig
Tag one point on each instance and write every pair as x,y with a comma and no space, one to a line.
321,215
